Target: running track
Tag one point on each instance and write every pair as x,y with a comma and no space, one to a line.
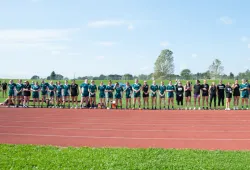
225,130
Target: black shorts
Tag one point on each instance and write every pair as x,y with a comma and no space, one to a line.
237,94
145,95
92,95
27,94
229,95
74,94
204,94
4,88
188,94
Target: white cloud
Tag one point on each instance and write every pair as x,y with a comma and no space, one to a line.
106,23
226,20
144,68
130,27
164,44
107,43
194,55
100,57
244,39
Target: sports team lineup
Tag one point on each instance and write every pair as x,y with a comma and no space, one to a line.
163,96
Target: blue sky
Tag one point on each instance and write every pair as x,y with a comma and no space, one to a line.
121,36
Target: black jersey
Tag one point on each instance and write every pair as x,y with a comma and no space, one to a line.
221,89
213,90
179,90
4,86
205,88
145,88
26,87
74,88
197,89
229,89
236,91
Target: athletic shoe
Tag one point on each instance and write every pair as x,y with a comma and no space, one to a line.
190,108
194,108
72,107
199,108
76,107
186,108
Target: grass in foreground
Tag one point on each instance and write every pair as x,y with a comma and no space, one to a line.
48,157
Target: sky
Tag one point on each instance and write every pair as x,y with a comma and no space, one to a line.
89,38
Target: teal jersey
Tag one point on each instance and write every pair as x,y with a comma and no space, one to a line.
51,87
128,90
110,87
35,87
136,86
162,89
44,86
245,87
54,86
19,87
102,89
59,89
171,87
32,84
153,88
66,88
12,86
92,88
85,88
118,90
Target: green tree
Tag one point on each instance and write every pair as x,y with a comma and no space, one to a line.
164,64
128,77
35,77
53,75
186,74
216,69
231,75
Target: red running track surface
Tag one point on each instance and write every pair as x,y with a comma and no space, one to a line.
212,130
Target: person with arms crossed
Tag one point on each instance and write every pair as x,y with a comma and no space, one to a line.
244,94
179,95
4,89
44,92
236,94
19,93
229,94
197,94
109,94
59,91
92,94
11,93
84,89
188,92
153,90
26,94
118,95
101,89
205,88
170,90
128,92
74,90
145,95
221,94
137,93
213,95
35,94
162,95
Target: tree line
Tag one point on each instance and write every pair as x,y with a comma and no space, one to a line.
163,70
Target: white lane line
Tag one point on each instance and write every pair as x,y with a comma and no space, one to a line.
130,130
127,138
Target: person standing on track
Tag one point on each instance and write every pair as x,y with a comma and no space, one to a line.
229,94
102,97
118,95
213,95
137,93
66,94
51,90
84,89
179,95
236,94
162,95
188,92
128,91
109,94
145,95
170,90
35,94
197,94
59,91
153,90
44,92
244,94
26,94
4,89
205,88
74,90
19,93
11,94
92,94
221,94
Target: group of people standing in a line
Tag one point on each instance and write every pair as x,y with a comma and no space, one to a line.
59,95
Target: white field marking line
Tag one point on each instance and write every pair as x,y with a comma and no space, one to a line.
127,138
132,130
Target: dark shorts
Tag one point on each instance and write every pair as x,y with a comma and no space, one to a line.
11,93
35,95
153,95
128,96
229,95
118,96
102,95
19,94
92,95
26,94
85,94
66,95
59,95
74,94
52,94
204,94
236,93
162,96
188,94
137,95
44,93
145,95
170,95
196,95
245,96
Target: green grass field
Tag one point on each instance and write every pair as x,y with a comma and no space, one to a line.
131,82
47,157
